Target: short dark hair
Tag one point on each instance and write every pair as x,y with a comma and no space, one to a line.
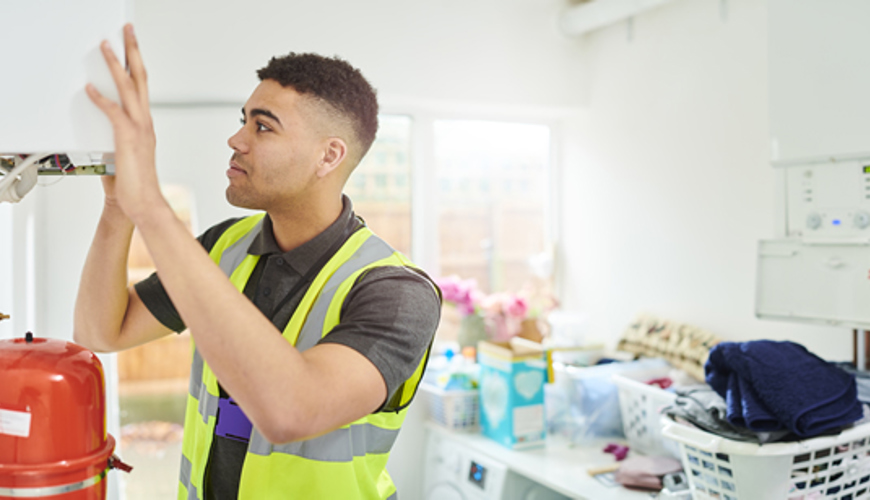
334,81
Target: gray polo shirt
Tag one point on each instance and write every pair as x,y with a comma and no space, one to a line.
389,316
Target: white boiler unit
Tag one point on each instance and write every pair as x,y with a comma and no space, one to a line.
50,51
820,272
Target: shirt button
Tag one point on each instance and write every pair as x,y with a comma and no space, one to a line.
280,261
267,291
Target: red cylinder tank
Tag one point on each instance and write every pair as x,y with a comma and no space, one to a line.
53,440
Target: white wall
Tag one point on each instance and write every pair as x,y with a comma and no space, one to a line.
819,73
27,252
668,188
495,51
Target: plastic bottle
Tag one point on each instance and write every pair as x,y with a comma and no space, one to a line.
461,372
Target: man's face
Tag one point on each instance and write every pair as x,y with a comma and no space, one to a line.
276,151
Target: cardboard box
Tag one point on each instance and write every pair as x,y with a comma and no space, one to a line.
512,377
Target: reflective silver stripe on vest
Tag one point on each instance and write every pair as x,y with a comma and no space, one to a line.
372,250
186,472
208,404
234,254
340,445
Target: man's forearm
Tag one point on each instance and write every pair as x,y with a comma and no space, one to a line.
265,374
102,299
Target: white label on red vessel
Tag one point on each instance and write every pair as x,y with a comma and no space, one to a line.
15,423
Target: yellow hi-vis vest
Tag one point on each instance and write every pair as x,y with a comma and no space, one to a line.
347,463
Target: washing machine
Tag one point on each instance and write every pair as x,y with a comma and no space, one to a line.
455,472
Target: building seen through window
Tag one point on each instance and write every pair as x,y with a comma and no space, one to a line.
492,182
380,187
493,185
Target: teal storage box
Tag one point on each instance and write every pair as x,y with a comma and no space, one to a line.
512,376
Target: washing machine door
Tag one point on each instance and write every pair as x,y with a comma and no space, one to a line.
521,488
537,492
445,491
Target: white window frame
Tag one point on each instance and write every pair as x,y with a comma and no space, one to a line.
425,245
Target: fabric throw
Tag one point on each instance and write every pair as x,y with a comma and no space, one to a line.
770,386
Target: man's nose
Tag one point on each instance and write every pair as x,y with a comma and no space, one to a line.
236,142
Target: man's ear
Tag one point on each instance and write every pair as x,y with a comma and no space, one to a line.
334,152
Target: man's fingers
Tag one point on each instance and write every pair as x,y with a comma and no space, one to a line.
126,89
136,65
111,109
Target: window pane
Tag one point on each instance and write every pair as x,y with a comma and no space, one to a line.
380,187
492,178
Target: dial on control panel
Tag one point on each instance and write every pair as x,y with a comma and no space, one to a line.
861,220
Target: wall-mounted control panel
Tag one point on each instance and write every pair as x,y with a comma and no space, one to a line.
829,202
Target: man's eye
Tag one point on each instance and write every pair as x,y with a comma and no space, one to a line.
262,128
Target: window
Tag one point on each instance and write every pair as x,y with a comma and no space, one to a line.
379,186
493,180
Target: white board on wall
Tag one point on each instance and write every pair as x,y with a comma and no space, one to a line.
819,78
51,50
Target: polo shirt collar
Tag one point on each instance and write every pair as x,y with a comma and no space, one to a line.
303,257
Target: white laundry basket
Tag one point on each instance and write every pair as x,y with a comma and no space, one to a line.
640,405
828,467
456,410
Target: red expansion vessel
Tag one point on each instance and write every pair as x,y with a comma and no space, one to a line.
53,440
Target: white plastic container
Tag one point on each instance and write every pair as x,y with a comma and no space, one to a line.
455,410
640,405
827,467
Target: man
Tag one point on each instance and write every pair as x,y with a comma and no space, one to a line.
308,413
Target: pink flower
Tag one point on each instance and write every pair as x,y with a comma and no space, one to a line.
503,313
463,293
515,306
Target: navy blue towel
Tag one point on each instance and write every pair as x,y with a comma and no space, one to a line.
769,386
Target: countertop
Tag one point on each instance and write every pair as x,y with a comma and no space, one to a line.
558,465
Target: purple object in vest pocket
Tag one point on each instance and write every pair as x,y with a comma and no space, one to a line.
232,423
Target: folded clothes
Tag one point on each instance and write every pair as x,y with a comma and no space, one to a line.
862,379
770,386
706,409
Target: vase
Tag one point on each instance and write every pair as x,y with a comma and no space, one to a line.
472,330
